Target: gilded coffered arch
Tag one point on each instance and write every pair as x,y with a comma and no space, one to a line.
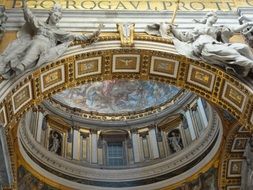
143,57
150,59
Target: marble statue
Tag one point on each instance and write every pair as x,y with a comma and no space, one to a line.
247,167
174,142
3,20
55,142
38,42
248,31
210,43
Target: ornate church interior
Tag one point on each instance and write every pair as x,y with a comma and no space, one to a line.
132,95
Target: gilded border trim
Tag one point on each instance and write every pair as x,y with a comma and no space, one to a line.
43,88
240,108
176,66
231,168
137,68
98,71
190,78
16,109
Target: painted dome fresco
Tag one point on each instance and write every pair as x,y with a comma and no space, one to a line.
117,96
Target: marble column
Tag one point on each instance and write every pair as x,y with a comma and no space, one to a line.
202,113
153,143
76,143
94,146
190,124
100,150
136,147
39,126
28,118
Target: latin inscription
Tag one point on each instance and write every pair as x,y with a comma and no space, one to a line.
184,5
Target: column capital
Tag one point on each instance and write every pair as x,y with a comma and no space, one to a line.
186,108
152,126
75,127
194,107
92,131
134,130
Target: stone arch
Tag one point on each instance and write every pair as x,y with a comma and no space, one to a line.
106,60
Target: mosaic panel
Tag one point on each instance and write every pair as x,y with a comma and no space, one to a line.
52,78
234,96
126,63
234,168
3,118
164,67
201,78
87,67
21,97
239,144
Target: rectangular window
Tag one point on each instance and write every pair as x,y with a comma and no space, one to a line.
115,154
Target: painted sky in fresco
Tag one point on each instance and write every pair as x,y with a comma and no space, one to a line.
117,96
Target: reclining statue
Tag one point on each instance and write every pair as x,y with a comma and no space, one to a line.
210,44
38,42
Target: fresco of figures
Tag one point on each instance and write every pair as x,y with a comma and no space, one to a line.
117,96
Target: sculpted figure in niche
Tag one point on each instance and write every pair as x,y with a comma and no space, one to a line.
210,43
175,141
3,20
38,42
55,142
247,167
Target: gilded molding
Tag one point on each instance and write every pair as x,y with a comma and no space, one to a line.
232,155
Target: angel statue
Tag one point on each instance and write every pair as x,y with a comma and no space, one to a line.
38,42
210,43
248,31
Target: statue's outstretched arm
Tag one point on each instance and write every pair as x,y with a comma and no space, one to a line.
184,37
82,37
91,37
28,16
239,28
